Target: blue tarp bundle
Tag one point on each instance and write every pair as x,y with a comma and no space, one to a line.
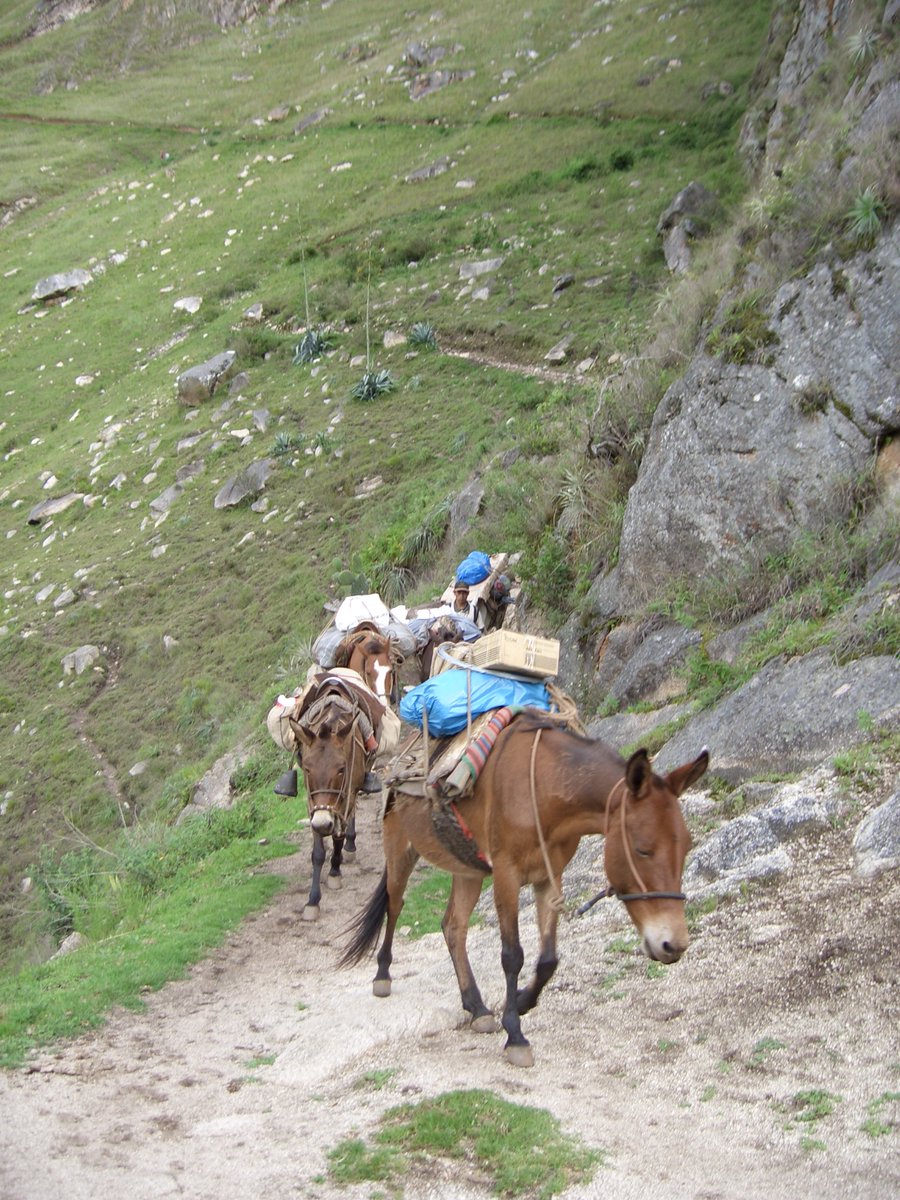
474,568
445,698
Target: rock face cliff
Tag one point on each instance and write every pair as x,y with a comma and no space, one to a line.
785,412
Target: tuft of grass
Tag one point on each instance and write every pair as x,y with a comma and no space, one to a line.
763,1048
876,1125
743,335
522,1149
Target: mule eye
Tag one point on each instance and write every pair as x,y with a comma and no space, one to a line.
643,853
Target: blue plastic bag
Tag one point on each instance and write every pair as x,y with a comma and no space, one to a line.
474,568
444,698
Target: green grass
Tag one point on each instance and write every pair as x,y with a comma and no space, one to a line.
523,1150
150,911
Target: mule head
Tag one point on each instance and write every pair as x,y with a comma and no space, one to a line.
646,845
333,767
375,659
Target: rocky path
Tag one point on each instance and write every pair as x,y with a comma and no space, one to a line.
235,1082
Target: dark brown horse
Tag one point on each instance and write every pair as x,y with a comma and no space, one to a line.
542,789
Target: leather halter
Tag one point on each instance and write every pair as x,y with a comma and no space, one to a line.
643,894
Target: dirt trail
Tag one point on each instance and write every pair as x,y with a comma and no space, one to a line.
238,1080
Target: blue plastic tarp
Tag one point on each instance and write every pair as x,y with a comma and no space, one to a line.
445,698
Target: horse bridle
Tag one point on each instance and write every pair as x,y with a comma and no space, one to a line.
338,810
644,893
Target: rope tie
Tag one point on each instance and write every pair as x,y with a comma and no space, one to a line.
556,900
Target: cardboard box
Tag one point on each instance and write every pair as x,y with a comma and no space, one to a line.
517,653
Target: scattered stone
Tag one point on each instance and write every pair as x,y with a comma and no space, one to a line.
60,285
250,482
473,270
877,840
561,282
254,313
64,599
188,304
50,508
79,660
558,353
198,383
166,499
70,944
429,172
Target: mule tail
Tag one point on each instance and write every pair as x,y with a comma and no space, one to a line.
366,926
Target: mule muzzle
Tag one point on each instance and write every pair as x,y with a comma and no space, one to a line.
323,821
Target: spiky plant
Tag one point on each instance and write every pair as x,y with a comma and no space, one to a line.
372,385
864,217
861,45
422,334
311,346
286,443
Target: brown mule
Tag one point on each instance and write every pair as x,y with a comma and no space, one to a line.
542,789
336,729
374,656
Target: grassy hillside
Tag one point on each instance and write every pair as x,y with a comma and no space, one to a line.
144,153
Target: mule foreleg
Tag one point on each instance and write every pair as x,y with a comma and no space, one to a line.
464,895
311,912
512,957
547,917
334,880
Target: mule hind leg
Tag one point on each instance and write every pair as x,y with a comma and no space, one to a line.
547,919
400,858
334,880
464,894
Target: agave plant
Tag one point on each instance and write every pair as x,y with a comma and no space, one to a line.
422,334
372,384
312,345
286,443
864,217
862,45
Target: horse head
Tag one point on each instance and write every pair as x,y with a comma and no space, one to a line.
646,845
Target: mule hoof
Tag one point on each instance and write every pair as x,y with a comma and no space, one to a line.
311,912
349,856
520,1056
381,987
334,882
486,1024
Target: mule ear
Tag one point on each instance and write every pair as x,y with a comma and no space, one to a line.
681,778
301,733
637,773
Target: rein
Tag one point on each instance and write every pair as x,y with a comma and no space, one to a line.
643,894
